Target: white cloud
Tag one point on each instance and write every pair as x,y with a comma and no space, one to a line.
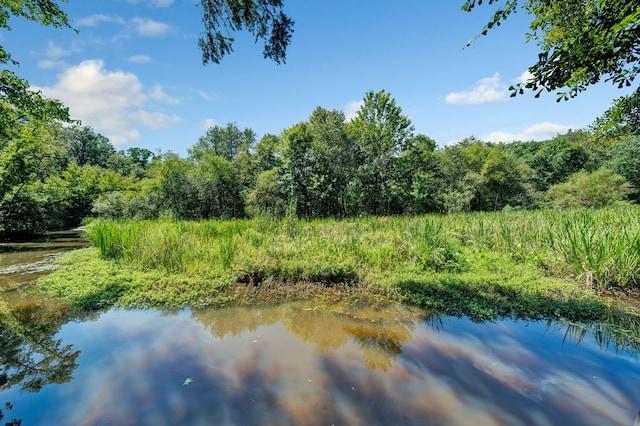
150,28
139,59
51,63
142,26
56,51
536,132
159,95
524,77
204,95
156,120
93,20
487,90
115,103
352,110
208,123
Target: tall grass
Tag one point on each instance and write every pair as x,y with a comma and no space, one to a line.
598,248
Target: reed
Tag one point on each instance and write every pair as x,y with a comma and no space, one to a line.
599,248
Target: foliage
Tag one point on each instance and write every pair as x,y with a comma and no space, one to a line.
621,119
580,42
17,102
262,18
624,159
598,189
474,175
381,133
556,160
226,142
86,147
268,197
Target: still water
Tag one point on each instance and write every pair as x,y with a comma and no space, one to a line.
302,364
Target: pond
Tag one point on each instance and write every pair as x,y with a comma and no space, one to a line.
307,364
302,364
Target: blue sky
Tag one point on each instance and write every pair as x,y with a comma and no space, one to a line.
134,71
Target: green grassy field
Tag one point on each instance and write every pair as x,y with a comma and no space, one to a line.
539,264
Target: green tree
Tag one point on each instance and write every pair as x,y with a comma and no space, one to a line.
474,175
598,189
173,190
134,161
333,156
225,141
217,189
268,153
580,41
624,159
381,133
297,167
268,198
556,160
85,146
622,119
17,102
417,169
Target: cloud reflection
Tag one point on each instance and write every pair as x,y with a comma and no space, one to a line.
317,365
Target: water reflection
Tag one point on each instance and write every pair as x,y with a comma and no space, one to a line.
31,356
311,365
379,330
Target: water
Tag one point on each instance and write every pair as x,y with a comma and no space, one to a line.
21,263
301,364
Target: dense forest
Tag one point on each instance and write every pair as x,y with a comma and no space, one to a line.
54,175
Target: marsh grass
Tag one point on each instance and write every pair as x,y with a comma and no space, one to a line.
543,264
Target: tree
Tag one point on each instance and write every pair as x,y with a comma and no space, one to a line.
556,160
598,189
625,161
333,156
267,153
217,189
17,102
297,167
226,142
581,41
262,18
381,133
85,146
417,168
268,198
622,119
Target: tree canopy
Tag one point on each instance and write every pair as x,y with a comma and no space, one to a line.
581,42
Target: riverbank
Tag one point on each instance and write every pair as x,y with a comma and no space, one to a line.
541,264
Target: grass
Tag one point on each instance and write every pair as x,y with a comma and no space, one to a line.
540,264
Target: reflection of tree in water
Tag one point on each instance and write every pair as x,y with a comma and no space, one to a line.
30,355
234,321
379,330
621,332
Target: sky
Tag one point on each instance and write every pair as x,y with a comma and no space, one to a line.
133,71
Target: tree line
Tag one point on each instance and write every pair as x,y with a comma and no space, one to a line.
52,176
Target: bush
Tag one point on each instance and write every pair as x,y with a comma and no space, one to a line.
598,189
